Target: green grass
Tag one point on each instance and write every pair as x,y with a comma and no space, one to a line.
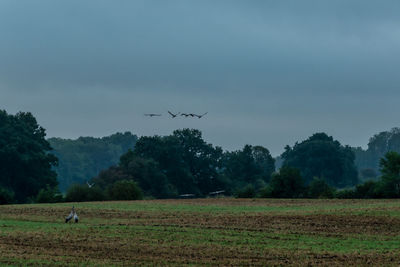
159,229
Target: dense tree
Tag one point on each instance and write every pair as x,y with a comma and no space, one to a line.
321,156
49,195
319,188
189,163
80,193
287,183
246,192
148,175
125,190
6,196
25,161
390,168
84,158
251,165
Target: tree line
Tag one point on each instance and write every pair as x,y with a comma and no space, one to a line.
184,164
177,165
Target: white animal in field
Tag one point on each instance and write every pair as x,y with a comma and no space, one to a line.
76,219
71,215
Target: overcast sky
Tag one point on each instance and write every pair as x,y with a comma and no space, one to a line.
268,72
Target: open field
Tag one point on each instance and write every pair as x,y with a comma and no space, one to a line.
203,232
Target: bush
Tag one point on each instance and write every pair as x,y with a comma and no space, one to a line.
125,190
49,195
369,189
288,183
247,192
345,193
6,196
96,194
79,193
318,188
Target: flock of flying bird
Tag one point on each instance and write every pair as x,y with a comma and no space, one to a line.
176,114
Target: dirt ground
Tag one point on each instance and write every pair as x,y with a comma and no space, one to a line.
334,233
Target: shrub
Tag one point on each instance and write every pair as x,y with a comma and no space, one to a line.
369,189
319,188
288,183
6,196
79,193
345,193
125,190
247,192
49,195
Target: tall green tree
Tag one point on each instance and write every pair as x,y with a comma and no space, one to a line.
25,161
322,156
390,168
252,165
287,183
190,164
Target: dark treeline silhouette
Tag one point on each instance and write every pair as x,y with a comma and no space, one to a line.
182,164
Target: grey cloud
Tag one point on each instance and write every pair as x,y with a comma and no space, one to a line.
270,72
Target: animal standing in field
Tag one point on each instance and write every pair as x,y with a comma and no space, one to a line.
71,215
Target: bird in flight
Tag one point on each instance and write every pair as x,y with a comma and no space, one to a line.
185,114
89,185
200,116
152,114
172,114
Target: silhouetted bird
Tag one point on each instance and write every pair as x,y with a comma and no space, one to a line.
200,116
152,114
172,114
185,114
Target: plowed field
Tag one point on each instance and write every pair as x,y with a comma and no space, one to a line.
224,232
